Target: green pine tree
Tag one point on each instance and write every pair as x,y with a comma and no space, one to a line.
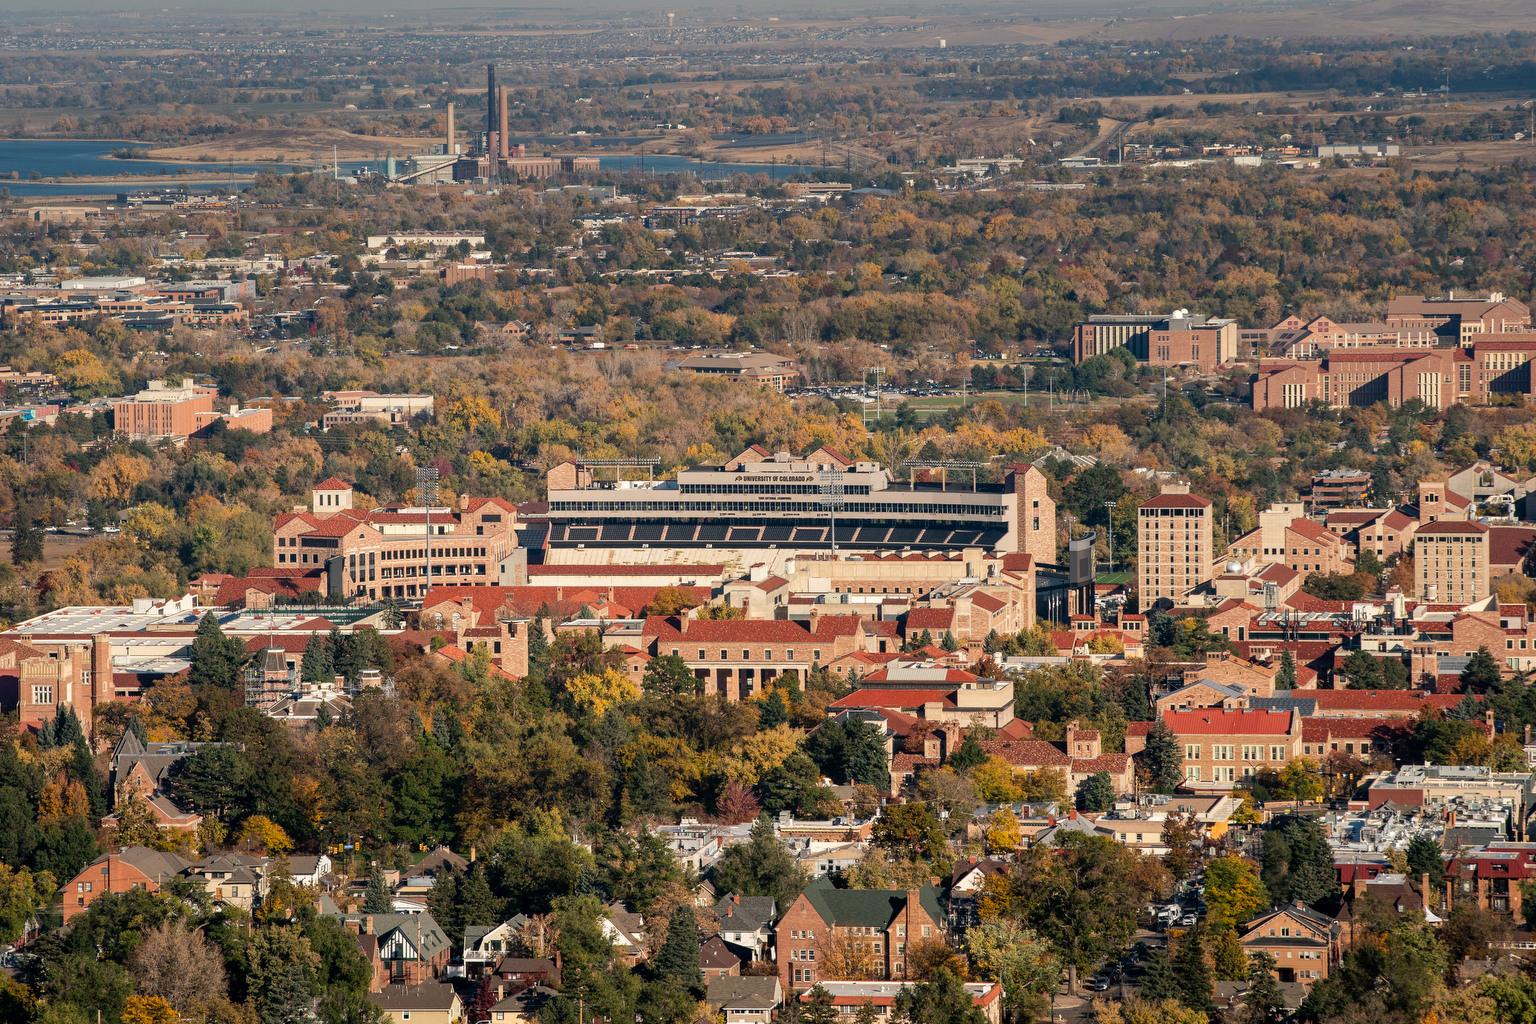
378,898
677,961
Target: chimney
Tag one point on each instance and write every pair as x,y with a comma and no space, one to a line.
448,145
501,140
490,105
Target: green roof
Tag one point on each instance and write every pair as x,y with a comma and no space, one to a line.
866,908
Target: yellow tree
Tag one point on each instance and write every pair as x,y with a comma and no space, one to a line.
261,833
1002,833
148,1010
595,692
994,781
1234,892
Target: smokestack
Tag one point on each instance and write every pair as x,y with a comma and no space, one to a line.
449,150
502,139
490,105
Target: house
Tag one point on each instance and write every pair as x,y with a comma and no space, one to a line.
517,972
136,867
521,1007
875,924
849,997
140,770
404,949
431,1002
1304,943
308,869
746,923
717,960
750,1000
233,879
485,944
965,885
626,930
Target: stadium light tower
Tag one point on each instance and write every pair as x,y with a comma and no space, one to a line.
832,491
426,493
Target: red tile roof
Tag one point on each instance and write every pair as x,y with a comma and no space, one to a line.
1387,702
1177,501
1217,722
332,483
1451,528
1322,730
930,618
1028,753
1507,545
598,571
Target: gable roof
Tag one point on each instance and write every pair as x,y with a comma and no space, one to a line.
866,908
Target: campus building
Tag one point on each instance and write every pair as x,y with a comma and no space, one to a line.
1476,374
174,412
396,552
1174,535
1180,338
762,500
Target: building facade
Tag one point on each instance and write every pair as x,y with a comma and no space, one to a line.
1174,533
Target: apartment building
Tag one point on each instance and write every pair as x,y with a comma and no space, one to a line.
874,926
1179,338
1286,536
1174,532
1451,562
1223,746
396,552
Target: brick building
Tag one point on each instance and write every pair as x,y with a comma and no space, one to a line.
119,871
1176,339
394,552
1174,533
826,925
1223,746
175,412
1451,563
1286,536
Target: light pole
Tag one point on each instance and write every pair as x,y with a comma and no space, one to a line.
1109,520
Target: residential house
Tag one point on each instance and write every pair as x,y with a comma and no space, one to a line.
404,949
136,867
430,1002
748,1000
626,930
717,960
1304,943
746,923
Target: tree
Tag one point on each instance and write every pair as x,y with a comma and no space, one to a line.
1234,893
1083,895
1018,959
668,675
1363,670
318,663
179,965
260,833
1096,793
1003,833
1184,839
1192,971
216,659
22,894
848,750
1228,961
1297,862
378,897
671,601
794,785
1423,855
148,1010
1265,1003
818,1007
760,867
1285,675
969,754
282,975
26,536
1163,758
939,1000
678,960
911,831
1481,673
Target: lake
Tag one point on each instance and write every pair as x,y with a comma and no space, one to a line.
92,158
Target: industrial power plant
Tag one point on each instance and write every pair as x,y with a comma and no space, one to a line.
492,157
